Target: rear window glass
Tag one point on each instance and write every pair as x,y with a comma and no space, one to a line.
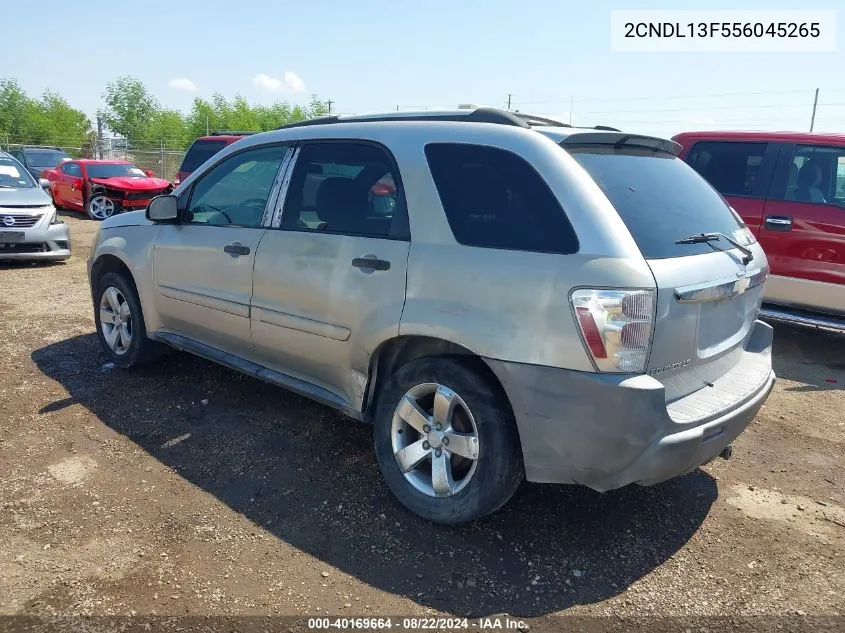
660,198
730,167
200,152
494,199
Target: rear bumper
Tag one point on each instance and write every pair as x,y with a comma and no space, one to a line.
48,243
606,431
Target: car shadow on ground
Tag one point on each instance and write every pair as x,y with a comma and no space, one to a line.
308,476
814,358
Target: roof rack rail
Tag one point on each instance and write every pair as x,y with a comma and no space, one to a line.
478,115
232,133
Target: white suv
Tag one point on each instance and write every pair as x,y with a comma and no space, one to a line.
500,296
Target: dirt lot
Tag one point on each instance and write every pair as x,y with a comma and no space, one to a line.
189,489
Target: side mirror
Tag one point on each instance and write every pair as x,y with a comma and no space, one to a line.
150,173
45,184
163,209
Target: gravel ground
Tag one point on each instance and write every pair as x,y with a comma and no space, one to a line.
187,489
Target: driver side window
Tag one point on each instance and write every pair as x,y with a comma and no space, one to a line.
235,191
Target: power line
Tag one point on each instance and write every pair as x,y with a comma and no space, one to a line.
663,98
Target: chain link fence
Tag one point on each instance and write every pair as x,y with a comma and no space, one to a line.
158,158
164,162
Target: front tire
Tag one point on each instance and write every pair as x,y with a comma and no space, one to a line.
120,322
446,441
100,207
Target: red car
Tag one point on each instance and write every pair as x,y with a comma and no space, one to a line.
101,188
204,148
789,188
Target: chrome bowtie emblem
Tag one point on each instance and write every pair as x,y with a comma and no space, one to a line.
9,220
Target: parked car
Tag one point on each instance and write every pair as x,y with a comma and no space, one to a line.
102,188
36,159
567,305
29,227
789,188
204,148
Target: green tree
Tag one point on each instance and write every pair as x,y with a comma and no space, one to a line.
49,120
130,108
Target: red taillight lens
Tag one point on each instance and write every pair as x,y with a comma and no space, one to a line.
592,336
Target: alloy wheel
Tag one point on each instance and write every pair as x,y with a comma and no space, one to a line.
115,320
435,440
101,207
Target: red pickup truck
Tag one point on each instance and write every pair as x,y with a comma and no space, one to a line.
789,188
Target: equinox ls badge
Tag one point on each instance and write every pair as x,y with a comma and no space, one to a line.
673,367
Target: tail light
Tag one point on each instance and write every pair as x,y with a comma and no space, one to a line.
616,327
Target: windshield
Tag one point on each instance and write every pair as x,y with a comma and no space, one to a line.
42,158
112,170
200,152
660,198
13,175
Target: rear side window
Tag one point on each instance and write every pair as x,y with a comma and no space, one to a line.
200,152
494,199
660,198
342,187
732,168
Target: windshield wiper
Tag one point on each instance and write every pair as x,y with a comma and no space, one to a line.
747,255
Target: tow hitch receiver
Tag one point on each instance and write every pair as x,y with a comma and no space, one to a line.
727,452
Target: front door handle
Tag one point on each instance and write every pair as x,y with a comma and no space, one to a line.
778,223
236,249
371,262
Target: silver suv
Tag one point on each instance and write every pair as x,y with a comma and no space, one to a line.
502,297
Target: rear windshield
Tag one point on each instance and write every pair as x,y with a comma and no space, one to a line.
660,198
200,152
44,157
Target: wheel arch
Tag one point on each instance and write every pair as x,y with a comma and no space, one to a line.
110,263
395,352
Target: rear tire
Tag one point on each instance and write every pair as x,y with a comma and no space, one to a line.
465,469
120,322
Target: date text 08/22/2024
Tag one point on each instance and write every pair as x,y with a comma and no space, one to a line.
418,624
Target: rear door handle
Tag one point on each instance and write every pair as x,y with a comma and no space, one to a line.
778,223
371,262
236,249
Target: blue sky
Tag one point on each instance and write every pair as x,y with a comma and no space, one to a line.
374,55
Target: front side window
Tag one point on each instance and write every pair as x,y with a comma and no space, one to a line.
731,167
494,199
235,191
347,188
72,169
816,174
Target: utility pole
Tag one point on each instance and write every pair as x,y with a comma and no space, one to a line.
206,125
99,152
570,110
815,103
509,100
329,103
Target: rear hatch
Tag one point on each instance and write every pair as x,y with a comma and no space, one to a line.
199,152
708,292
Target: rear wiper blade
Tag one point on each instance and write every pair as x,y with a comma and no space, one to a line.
715,237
